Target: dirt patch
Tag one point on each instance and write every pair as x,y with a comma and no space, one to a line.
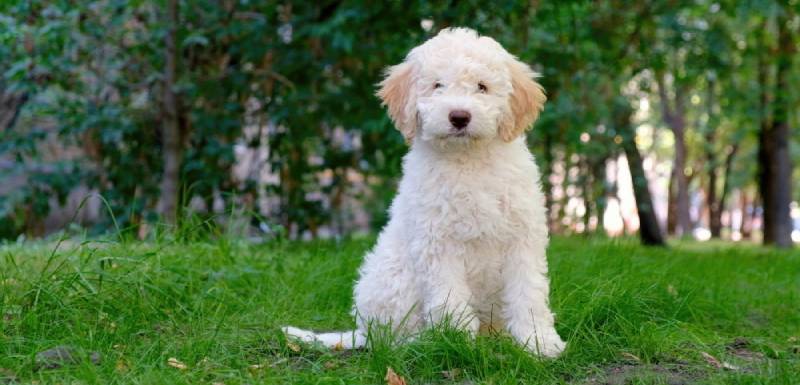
63,355
742,349
624,374
744,356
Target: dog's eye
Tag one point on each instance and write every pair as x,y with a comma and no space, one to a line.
482,88
437,85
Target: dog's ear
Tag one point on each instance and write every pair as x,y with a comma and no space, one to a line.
526,101
396,93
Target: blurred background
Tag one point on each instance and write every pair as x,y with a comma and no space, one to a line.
258,117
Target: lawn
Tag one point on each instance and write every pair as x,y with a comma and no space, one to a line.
210,312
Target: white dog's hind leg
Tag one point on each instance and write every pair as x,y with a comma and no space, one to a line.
525,296
386,292
352,339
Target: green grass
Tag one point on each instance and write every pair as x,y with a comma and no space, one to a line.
631,315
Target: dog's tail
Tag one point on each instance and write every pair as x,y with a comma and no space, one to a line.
352,339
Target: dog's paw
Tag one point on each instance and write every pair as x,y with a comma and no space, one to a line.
545,343
548,345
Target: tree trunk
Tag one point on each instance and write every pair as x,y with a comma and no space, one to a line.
170,134
714,207
715,219
672,205
747,215
774,159
712,200
10,105
684,223
649,230
673,112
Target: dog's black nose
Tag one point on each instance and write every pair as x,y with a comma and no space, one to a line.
459,118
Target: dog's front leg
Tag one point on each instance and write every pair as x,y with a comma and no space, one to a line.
525,294
445,291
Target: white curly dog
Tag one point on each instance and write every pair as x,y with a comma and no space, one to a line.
467,236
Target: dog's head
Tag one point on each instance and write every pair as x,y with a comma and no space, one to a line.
461,87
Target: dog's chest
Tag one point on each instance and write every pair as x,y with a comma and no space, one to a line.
466,207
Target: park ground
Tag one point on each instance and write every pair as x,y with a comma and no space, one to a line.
209,312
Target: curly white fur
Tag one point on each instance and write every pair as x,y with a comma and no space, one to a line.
467,236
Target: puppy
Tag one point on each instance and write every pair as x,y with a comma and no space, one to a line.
467,236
